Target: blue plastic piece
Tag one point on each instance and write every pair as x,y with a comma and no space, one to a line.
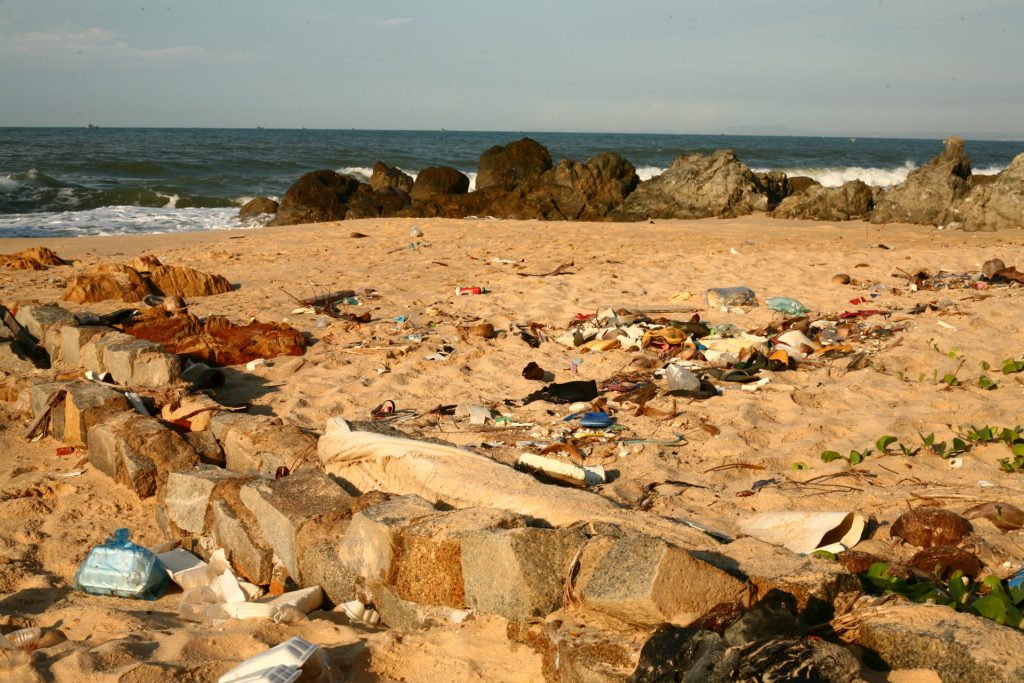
596,420
1016,581
119,567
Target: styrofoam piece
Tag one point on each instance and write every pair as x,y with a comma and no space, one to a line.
796,338
282,673
563,471
184,568
305,599
250,610
805,532
291,653
477,414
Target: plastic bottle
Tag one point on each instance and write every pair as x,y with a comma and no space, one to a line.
784,304
119,567
462,291
725,298
415,231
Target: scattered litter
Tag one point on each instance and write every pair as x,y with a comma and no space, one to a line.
559,470
282,663
119,567
805,532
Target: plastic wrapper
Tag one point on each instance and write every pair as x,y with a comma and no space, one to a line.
725,298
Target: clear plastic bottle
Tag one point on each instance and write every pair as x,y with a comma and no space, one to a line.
784,304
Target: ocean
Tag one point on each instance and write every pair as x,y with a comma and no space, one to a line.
57,182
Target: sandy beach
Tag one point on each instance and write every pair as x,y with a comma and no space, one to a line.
53,509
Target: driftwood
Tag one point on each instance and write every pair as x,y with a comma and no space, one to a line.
44,417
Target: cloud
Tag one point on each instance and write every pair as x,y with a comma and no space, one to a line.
393,22
98,42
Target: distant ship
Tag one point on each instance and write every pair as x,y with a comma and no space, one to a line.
92,126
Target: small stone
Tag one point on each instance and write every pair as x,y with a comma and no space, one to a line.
991,267
841,279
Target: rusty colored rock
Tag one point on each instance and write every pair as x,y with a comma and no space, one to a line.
926,527
180,280
218,340
36,258
108,281
946,559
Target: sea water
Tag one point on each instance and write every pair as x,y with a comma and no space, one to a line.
103,181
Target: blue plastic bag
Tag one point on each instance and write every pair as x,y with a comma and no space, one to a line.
119,567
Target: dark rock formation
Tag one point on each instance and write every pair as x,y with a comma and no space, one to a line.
370,203
385,177
316,197
515,163
799,183
994,205
256,207
929,192
439,180
775,185
696,186
852,200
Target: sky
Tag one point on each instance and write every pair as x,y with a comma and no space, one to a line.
674,66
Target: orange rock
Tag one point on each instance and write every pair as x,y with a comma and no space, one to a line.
36,258
108,281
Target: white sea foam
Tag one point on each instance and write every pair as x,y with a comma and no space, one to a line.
363,173
8,183
117,220
172,200
988,170
648,172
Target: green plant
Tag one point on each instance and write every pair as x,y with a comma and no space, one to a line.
989,598
940,448
1011,366
987,383
854,458
883,443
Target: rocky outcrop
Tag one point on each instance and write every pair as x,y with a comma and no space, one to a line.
257,207
370,203
385,177
775,185
799,183
696,186
179,280
512,164
36,258
851,201
995,205
439,180
107,281
928,193
316,197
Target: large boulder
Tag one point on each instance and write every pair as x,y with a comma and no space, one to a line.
512,164
853,200
107,281
179,280
385,177
254,208
928,193
439,180
696,186
316,197
370,203
996,204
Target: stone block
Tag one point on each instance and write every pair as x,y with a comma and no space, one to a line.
44,322
247,550
187,496
111,453
88,404
128,442
643,580
39,396
282,507
120,355
155,369
255,444
957,646
321,565
427,563
73,338
518,573
90,354
409,616
207,447
368,544
815,582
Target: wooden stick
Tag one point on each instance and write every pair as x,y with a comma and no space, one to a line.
51,403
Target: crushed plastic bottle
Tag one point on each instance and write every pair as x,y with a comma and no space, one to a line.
119,567
784,304
415,232
725,298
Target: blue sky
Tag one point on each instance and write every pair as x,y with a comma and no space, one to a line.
890,66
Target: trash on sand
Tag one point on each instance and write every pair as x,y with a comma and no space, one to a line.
270,665
805,532
477,414
35,638
559,470
784,304
119,567
596,420
1003,515
565,392
681,379
726,298
356,611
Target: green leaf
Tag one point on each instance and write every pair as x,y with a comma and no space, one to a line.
829,456
991,607
798,466
985,365
884,442
959,446
824,553
986,383
1018,449
856,458
950,379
